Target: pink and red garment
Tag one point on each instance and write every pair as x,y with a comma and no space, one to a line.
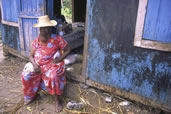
52,77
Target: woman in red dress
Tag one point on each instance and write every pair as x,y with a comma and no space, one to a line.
45,72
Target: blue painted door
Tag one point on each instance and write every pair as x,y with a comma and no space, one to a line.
158,21
30,10
9,6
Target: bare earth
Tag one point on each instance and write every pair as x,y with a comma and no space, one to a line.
11,98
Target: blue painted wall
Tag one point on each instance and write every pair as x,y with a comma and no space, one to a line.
10,36
32,7
114,61
25,13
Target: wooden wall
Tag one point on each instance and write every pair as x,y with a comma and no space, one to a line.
112,60
10,10
10,36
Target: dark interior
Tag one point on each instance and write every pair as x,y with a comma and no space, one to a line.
78,10
57,7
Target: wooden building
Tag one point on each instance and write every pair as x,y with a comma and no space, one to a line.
128,49
127,44
18,17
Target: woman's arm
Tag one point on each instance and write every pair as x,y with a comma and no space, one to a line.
36,67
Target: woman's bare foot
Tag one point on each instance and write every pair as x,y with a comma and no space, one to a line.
27,102
58,105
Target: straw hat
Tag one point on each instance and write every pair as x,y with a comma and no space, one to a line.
44,21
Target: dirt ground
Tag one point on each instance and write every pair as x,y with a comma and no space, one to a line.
11,98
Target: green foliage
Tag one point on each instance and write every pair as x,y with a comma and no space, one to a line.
67,9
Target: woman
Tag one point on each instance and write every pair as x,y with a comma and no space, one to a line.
45,72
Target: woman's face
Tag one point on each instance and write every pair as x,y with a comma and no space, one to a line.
45,33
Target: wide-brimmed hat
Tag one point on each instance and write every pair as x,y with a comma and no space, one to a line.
44,21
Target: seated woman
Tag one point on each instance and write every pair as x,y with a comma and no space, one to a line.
45,72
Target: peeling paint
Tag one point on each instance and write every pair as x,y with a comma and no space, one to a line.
96,67
114,61
116,55
10,36
90,4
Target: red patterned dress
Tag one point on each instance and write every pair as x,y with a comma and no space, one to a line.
52,77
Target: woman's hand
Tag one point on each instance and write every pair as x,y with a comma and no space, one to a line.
57,60
37,69
65,52
35,66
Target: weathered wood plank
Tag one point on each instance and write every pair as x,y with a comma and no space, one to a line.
128,94
21,34
163,28
30,32
85,51
140,22
10,23
156,45
26,34
2,9
151,18
16,9
10,10
73,14
21,54
30,17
